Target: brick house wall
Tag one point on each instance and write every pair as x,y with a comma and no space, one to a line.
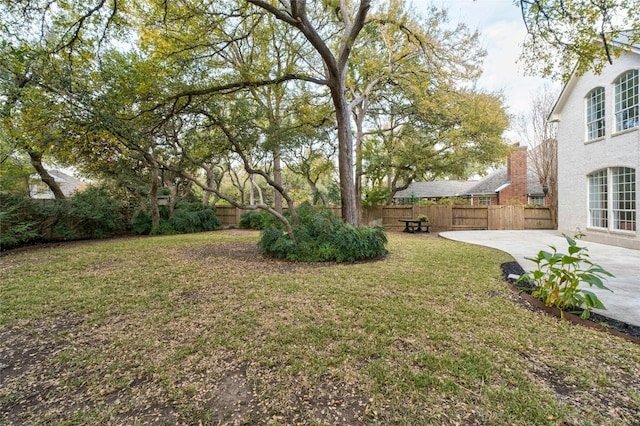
517,174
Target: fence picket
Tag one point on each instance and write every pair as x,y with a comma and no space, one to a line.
441,217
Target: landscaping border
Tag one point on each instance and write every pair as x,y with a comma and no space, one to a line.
596,321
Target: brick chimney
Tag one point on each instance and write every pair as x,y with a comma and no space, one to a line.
517,174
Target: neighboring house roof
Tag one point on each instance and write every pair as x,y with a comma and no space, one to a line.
488,185
497,181
436,189
68,185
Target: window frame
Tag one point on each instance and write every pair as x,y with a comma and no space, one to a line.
626,112
598,206
484,200
537,200
623,198
595,114
612,202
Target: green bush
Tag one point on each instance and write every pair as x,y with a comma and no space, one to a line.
188,217
376,197
194,217
92,213
95,213
254,219
454,201
141,222
322,237
18,225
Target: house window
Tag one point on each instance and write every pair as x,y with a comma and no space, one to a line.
484,201
536,200
624,198
598,213
612,194
595,114
626,100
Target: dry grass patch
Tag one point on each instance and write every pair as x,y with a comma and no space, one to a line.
201,328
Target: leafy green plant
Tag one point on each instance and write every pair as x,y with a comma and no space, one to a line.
423,217
322,237
95,213
141,222
187,217
92,213
16,223
558,277
377,196
453,201
253,220
194,217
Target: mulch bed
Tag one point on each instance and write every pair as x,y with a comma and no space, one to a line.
619,328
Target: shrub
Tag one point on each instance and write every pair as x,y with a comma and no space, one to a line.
376,197
194,217
322,237
17,224
188,217
454,201
141,222
558,276
94,213
254,220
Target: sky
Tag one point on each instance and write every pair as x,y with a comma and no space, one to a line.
502,33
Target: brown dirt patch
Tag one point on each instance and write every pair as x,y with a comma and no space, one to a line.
44,381
249,257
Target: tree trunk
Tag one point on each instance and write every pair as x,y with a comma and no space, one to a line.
335,70
314,190
277,178
345,153
36,162
173,197
153,198
359,117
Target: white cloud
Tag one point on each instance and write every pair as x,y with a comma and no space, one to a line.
502,33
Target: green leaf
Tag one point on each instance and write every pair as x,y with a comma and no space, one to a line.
570,240
592,301
599,270
574,249
594,280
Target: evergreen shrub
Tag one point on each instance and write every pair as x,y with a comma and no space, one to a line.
188,217
92,213
18,226
322,237
254,219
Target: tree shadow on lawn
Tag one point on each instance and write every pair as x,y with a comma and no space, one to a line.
37,384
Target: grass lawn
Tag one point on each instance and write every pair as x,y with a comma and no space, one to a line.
200,329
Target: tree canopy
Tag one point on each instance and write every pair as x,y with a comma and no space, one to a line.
568,35
192,94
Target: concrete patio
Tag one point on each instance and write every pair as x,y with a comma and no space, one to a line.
622,304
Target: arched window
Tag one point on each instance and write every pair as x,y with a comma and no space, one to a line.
626,100
595,114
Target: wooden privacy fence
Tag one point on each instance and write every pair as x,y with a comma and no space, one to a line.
441,218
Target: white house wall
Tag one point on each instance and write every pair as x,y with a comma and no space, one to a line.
578,158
